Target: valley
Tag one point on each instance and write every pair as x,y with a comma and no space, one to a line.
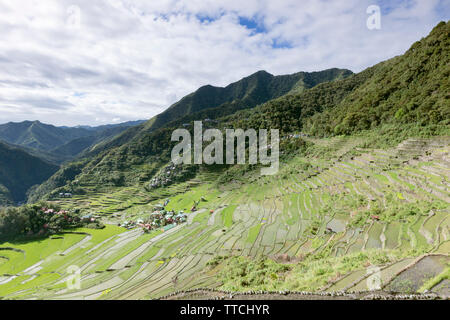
359,208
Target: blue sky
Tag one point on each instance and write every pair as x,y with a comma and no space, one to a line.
255,24
102,61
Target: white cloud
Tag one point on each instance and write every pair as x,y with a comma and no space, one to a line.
93,62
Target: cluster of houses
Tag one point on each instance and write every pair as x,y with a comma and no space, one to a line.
54,220
65,195
207,120
166,176
295,136
89,218
163,219
158,219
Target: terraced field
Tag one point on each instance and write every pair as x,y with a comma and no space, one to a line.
339,206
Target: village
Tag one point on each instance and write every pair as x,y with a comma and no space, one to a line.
160,218
170,174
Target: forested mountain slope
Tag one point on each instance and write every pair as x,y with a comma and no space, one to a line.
215,102
389,93
19,171
411,88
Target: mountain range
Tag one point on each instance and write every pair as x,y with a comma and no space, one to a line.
358,209
31,151
406,90
131,147
326,103
209,102
35,135
62,144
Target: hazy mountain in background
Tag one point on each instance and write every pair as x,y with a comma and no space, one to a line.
107,126
58,144
32,151
38,135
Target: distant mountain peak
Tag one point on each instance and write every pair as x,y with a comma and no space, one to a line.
262,72
46,137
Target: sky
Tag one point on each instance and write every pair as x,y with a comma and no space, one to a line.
92,62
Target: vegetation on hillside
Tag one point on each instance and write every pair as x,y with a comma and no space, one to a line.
38,220
19,171
63,177
246,93
312,273
122,160
412,88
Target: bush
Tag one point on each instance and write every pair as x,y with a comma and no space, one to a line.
36,219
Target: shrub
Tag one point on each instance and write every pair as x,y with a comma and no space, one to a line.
36,219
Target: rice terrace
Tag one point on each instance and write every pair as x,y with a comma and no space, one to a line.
358,209
364,209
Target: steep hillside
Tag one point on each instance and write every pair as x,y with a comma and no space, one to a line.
320,225
19,171
309,109
63,177
250,91
409,89
215,102
412,88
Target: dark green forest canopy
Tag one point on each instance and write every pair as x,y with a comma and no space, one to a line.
19,171
412,88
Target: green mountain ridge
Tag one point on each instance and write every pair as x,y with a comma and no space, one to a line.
251,91
214,102
391,92
19,171
37,135
333,101
113,156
